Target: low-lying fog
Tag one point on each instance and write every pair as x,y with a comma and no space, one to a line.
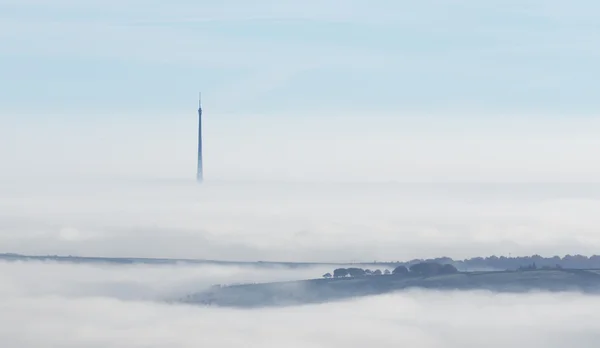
66,305
298,222
69,305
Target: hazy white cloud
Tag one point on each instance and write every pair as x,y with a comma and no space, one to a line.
298,222
120,306
306,147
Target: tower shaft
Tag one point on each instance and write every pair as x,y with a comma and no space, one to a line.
200,172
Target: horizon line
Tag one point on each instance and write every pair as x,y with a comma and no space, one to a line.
186,179
351,262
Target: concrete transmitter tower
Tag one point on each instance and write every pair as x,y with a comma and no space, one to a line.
200,172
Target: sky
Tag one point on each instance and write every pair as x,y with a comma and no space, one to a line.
300,91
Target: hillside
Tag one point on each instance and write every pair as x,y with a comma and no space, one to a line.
335,289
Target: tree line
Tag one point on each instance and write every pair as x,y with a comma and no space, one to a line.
516,263
421,269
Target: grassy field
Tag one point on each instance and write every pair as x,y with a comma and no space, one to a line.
327,290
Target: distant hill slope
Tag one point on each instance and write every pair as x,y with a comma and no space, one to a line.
11,257
472,264
335,289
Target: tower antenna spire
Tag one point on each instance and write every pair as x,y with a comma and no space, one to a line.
200,172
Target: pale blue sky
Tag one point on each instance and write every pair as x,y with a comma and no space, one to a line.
260,56
133,64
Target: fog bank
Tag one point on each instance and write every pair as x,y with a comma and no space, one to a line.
298,222
117,306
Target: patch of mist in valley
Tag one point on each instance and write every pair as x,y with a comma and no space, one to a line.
134,282
65,305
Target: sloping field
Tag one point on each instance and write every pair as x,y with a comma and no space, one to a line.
326,290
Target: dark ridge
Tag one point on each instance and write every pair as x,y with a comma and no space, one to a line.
323,290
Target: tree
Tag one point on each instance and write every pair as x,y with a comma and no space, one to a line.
449,269
426,268
356,272
327,275
377,272
340,272
432,268
386,272
368,272
400,270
